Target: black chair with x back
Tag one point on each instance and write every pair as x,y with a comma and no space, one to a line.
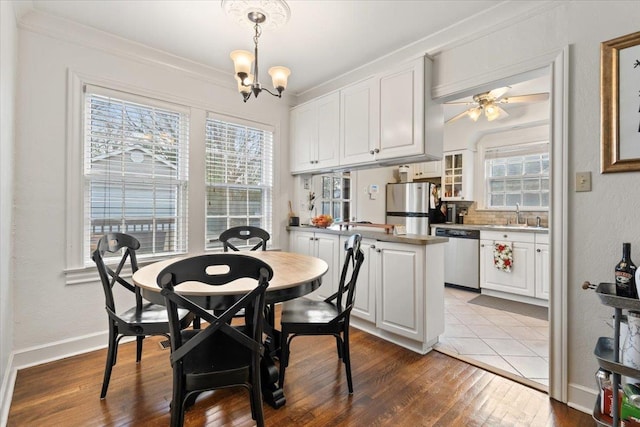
220,355
304,316
142,320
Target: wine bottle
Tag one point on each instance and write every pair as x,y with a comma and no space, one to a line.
625,274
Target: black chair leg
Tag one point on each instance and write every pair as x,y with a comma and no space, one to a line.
347,361
111,360
339,346
139,348
257,411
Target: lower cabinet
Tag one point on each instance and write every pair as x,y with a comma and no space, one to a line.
399,271
323,246
528,280
400,288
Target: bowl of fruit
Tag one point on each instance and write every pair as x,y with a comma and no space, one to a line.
322,221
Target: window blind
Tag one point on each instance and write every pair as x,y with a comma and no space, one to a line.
136,170
238,176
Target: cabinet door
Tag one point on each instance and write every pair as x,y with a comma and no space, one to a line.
359,125
327,248
327,150
304,134
400,289
457,175
301,242
426,170
542,271
402,111
520,280
364,305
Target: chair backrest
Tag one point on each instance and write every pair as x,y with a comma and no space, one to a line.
244,232
113,243
353,261
216,270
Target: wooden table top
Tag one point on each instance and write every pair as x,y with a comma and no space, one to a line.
289,271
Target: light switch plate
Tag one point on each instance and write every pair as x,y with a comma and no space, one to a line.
583,181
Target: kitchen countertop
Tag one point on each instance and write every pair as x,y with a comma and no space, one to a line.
493,227
412,239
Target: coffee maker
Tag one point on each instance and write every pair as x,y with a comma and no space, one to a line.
451,213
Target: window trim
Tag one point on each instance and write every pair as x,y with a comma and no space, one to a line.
250,124
528,135
75,271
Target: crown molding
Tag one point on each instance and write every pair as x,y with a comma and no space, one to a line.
72,32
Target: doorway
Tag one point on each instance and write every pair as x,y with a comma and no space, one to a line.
509,339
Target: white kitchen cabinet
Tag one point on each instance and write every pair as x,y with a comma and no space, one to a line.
364,306
399,271
402,98
457,176
521,279
315,130
426,170
543,279
359,132
326,247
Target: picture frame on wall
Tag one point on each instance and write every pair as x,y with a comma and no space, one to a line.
620,104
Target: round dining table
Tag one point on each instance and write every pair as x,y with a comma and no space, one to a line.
294,275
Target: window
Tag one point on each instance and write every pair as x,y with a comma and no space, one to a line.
336,196
517,174
238,176
135,171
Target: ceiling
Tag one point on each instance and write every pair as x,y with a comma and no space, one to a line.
322,40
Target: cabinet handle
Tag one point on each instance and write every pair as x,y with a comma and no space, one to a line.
373,246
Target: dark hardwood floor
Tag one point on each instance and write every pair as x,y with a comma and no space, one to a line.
393,387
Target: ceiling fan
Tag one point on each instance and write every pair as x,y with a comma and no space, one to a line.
488,102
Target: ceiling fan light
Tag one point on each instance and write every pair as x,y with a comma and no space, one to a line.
242,61
279,76
474,113
491,112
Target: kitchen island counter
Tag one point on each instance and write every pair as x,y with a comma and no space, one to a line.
412,239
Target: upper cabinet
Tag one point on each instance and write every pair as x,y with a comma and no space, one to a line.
359,124
388,118
457,175
315,130
426,170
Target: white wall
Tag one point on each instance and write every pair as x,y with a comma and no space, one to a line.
8,64
49,312
367,209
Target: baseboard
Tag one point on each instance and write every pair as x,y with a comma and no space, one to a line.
6,390
582,398
42,354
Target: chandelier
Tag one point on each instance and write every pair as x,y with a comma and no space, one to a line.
245,63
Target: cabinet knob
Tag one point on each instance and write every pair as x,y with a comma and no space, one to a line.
482,245
371,152
538,250
505,236
378,250
373,246
376,151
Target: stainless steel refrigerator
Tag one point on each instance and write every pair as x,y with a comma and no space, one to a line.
408,204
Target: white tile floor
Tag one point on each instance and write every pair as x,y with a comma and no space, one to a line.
513,343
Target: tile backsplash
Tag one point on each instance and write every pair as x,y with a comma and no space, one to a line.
474,216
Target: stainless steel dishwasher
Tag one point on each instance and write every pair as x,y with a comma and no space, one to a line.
461,257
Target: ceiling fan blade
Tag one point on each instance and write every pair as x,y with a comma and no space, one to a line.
460,103
534,97
498,92
456,117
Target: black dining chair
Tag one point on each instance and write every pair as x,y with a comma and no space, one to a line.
246,233
220,355
304,316
142,320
